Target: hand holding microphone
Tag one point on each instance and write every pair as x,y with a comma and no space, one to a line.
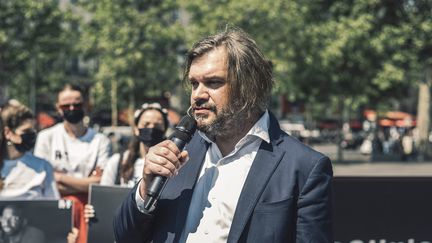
164,159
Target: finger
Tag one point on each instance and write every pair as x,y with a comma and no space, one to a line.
164,157
89,208
165,152
170,145
183,158
151,168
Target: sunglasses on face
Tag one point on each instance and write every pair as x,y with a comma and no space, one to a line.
76,106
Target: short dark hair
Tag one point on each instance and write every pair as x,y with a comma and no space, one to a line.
250,75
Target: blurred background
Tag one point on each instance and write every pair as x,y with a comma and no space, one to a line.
352,77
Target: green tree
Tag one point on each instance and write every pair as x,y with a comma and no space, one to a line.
344,54
407,40
135,46
35,41
273,24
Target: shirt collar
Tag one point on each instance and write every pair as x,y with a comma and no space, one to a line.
260,129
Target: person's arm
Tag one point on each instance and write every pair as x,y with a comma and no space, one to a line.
314,215
110,172
68,184
131,224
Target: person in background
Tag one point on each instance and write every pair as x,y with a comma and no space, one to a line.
16,228
24,176
241,178
78,153
150,125
125,169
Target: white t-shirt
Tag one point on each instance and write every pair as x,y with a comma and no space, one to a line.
74,156
28,178
111,169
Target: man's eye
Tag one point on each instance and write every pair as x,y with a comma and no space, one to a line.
194,84
215,83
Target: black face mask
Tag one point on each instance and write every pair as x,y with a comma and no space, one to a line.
73,116
150,136
28,141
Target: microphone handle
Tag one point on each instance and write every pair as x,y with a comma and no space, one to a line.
158,183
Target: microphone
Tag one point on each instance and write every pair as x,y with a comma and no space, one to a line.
182,134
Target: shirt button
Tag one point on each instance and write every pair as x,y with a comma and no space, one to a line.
206,232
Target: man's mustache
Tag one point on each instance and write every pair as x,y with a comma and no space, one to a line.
203,105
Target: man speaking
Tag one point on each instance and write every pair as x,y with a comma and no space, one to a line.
241,178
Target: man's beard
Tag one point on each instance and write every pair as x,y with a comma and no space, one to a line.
229,121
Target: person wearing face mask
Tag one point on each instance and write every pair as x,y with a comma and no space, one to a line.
125,169
78,153
150,125
24,176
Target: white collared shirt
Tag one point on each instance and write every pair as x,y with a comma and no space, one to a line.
219,185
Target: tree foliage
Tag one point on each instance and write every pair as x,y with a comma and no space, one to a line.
358,51
363,52
35,42
135,46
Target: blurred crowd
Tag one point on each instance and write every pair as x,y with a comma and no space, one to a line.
62,161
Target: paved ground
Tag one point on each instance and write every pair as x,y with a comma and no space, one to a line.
356,164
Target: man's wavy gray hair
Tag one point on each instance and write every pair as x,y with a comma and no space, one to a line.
250,76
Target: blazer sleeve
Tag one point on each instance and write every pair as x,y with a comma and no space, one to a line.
131,225
315,205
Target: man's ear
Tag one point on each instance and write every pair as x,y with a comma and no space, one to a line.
136,131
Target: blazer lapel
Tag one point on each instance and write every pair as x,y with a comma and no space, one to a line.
186,180
176,196
265,163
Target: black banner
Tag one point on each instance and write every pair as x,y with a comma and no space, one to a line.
105,200
383,209
35,221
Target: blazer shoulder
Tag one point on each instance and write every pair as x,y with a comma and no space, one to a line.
302,156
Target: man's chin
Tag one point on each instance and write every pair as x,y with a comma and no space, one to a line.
203,121
203,127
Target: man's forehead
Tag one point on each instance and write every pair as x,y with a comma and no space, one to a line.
210,63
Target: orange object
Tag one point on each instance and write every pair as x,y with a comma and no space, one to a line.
79,200
44,120
386,122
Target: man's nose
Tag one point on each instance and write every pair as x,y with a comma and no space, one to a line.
200,93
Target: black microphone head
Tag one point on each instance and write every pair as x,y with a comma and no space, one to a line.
187,125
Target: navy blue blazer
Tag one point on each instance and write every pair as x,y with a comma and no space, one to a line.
287,197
